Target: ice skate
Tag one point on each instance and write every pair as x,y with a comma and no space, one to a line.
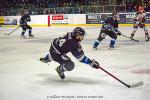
60,73
147,37
131,37
94,48
44,60
23,37
111,48
31,36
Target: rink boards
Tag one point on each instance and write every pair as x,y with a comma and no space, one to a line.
125,19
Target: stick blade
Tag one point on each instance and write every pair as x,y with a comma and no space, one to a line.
135,40
136,84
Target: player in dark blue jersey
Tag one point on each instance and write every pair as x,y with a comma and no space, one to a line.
110,28
65,44
23,23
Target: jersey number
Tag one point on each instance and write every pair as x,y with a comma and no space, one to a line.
61,42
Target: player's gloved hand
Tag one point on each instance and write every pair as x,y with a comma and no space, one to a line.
94,64
119,33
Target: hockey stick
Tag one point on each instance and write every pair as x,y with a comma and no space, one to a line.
129,38
12,31
127,85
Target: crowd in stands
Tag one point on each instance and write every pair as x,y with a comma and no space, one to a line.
13,7
131,5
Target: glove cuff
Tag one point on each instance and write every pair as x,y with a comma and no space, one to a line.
92,62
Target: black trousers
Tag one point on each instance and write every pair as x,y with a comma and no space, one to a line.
103,34
25,27
62,59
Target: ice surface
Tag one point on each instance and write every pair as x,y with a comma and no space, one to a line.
23,77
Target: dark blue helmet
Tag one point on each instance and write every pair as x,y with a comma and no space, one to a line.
78,31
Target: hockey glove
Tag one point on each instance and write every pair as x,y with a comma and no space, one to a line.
117,32
94,64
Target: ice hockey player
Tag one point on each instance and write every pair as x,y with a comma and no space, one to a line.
23,23
110,28
139,21
63,45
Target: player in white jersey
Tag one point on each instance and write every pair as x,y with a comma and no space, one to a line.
139,21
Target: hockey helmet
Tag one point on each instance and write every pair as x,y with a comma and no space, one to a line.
78,31
114,13
140,9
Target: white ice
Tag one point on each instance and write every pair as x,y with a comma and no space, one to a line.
23,77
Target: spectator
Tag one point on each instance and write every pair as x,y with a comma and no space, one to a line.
6,6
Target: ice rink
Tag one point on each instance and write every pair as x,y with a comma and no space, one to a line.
23,77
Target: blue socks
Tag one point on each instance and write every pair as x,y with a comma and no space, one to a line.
96,44
112,43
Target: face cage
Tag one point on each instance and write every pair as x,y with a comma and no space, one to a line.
83,37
